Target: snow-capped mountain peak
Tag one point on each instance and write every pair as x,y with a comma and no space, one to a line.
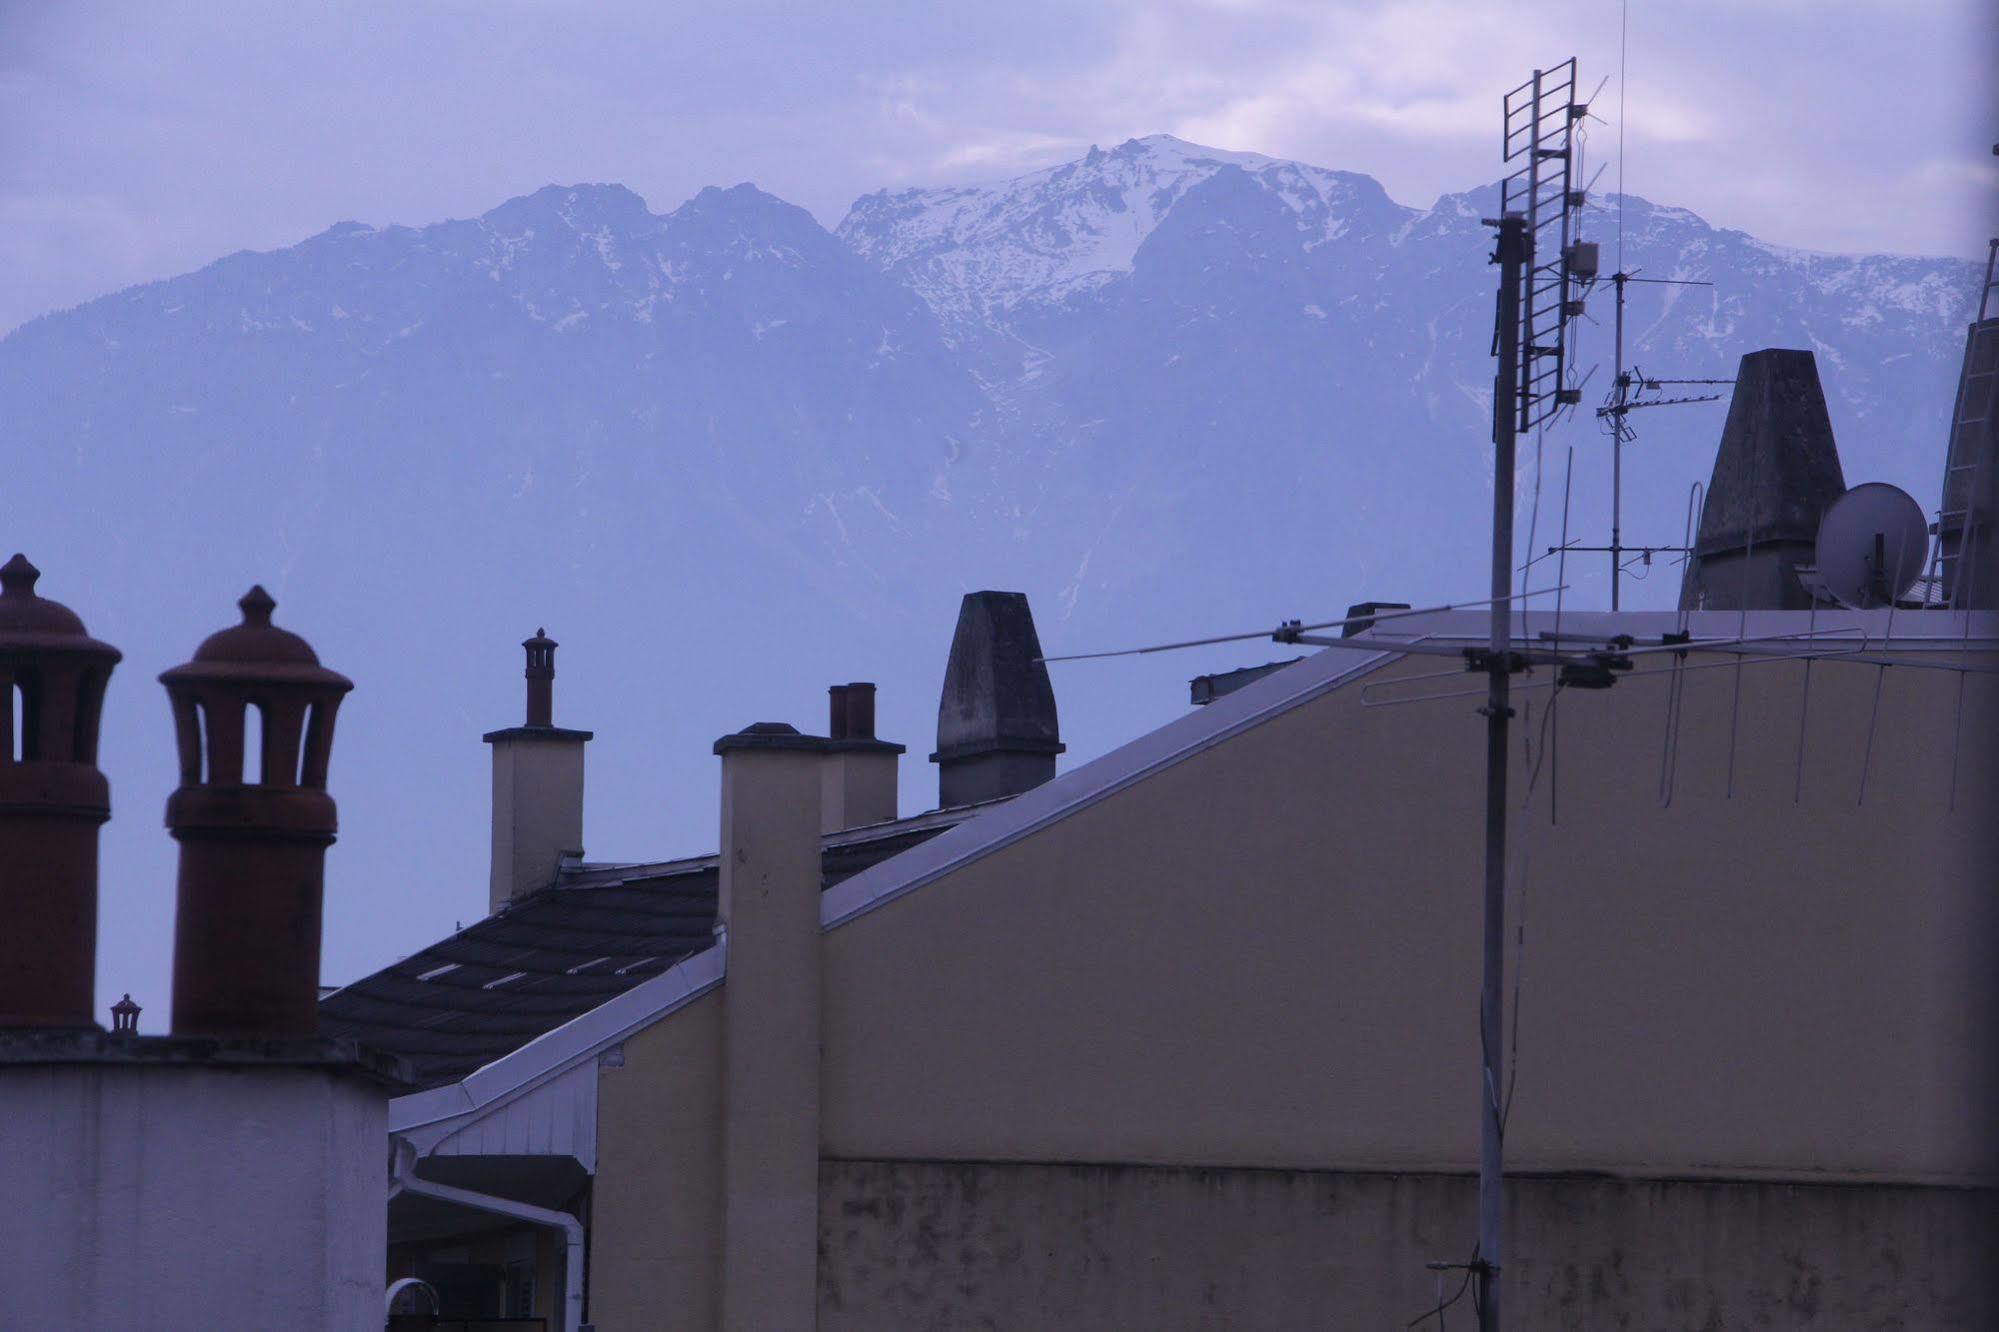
976,252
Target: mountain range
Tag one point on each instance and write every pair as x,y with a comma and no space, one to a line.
728,455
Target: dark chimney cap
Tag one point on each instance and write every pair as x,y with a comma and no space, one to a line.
996,691
772,735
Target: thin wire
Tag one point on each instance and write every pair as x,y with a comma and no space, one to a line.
1632,676
1669,746
1748,553
1438,1312
1537,753
1804,711
1293,628
1623,49
1561,565
1874,713
1533,523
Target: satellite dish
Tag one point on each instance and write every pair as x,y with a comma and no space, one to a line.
1873,543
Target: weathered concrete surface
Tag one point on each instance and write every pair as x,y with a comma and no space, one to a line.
948,1246
162,1193
997,733
1776,471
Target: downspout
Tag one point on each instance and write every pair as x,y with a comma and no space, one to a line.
406,1180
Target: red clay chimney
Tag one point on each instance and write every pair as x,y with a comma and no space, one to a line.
252,843
52,801
860,699
541,678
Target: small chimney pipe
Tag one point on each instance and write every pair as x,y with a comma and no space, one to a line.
836,710
860,708
541,678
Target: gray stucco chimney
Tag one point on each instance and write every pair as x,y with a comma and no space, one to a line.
1776,471
996,729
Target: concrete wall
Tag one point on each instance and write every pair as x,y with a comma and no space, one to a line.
1267,955
947,1246
165,1196
537,808
656,1204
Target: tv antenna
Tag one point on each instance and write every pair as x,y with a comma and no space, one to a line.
1629,386
1544,267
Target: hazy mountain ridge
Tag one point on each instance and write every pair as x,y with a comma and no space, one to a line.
1003,376
726,456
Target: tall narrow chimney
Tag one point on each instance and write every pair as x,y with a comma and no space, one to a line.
997,733
52,802
1776,471
858,777
769,910
537,787
253,820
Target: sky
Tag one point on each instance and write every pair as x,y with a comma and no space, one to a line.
142,140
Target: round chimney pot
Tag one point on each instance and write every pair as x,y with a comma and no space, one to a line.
32,623
257,650
253,820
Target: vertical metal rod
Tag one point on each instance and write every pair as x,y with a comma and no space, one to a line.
1617,387
1805,705
1514,255
1554,752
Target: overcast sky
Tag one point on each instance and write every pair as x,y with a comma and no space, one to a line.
142,140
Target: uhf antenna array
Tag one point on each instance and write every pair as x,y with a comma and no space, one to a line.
1539,134
1627,389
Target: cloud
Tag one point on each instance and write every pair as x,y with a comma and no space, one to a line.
144,140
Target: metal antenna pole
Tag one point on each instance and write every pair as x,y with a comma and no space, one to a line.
1619,387
1515,258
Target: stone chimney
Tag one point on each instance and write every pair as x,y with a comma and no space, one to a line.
996,729
772,780
858,777
537,787
253,820
1776,471
52,802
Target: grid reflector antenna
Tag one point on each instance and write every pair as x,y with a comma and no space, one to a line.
1540,136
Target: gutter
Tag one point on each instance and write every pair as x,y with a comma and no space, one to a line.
405,1180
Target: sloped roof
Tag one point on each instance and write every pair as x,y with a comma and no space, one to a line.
552,955
867,870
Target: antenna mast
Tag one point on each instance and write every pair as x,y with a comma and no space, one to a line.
1541,266
1621,401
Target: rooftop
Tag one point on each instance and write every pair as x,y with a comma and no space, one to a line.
551,955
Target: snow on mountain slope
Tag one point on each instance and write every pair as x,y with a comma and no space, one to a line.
975,253
728,455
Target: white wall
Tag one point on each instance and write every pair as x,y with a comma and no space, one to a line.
166,1196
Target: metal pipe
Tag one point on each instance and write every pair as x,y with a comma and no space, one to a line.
1618,387
1515,254
406,1180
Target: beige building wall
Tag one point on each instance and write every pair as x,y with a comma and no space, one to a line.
1248,985
1268,953
656,1205
537,809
